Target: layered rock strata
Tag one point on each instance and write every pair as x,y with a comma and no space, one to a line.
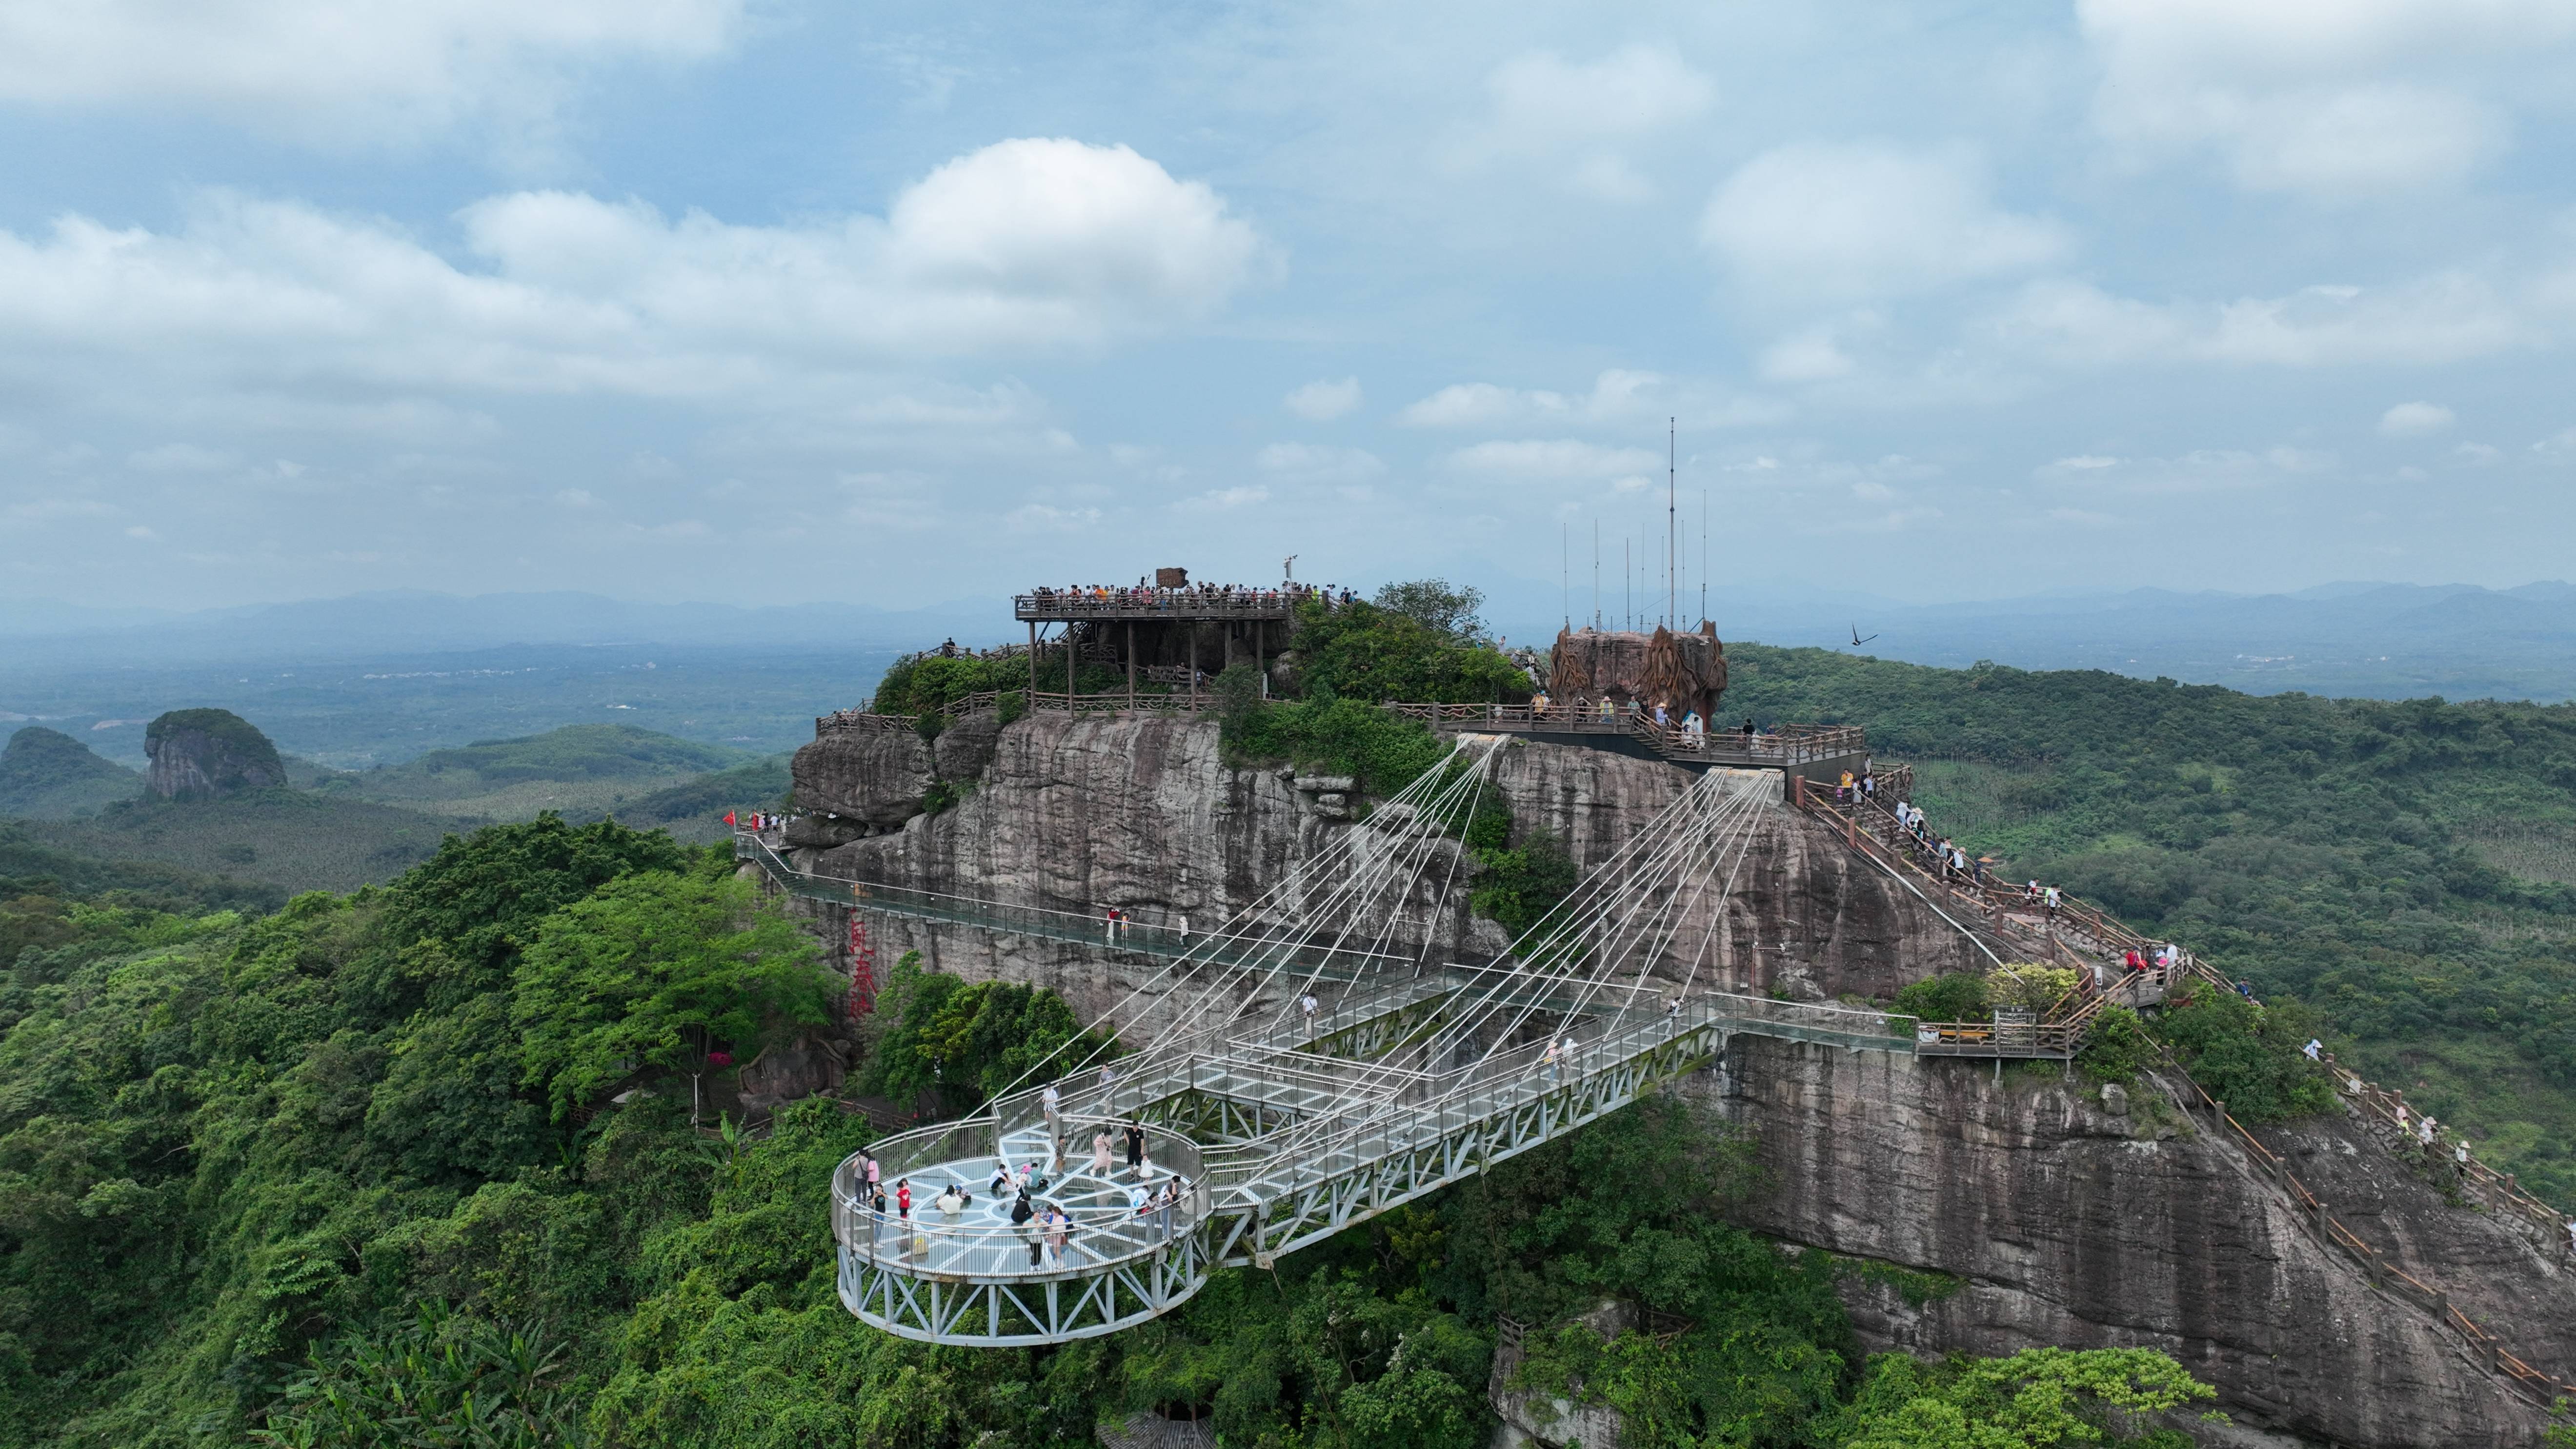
2071,1224
1145,816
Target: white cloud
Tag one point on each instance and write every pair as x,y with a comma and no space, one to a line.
2329,98
1557,460
1023,245
1323,400
2204,470
1579,119
1827,220
1219,500
2416,420
341,72
1307,463
2442,318
1617,396
2557,448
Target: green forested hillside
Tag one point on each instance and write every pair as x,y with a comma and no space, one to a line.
584,770
294,840
350,1175
2403,869
46,774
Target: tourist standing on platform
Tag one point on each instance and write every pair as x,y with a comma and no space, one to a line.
1100,1154
1135,1147
1051,1102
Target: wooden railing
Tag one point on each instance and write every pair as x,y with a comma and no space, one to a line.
2484,1344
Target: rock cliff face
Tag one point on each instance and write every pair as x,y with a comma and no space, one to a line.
2070,1224
2067,1222
1143,815
200,753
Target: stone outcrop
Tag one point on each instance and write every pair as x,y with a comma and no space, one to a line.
1144,815
203,753
2073,1225
877,778
2068,1218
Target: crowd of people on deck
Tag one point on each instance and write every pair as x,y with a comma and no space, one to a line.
1040,1224
1144,594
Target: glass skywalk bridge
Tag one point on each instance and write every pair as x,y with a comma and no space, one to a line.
1280,1138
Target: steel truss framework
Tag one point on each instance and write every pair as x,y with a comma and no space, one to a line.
1297,1121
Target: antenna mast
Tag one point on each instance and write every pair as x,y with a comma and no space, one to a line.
1565,573
1596,573
1672,518
1703,555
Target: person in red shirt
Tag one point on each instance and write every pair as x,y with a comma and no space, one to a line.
903,1199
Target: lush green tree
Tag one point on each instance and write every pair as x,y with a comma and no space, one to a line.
1437,605
1957,996
968,1041
439,1379
479,899
1363,652
2245,1055
657,970
2040,1398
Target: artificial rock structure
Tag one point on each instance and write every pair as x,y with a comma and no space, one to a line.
2064,1219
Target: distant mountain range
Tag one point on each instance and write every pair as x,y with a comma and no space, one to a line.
2383,641
83,665
43,633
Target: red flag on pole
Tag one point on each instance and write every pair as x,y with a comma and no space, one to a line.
728,817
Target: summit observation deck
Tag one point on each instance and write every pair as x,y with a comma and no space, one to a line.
1151,605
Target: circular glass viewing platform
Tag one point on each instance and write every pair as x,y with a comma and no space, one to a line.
1117,1249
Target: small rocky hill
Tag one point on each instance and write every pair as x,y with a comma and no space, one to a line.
209,753
47,775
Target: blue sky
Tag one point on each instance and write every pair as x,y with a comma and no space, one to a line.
677,299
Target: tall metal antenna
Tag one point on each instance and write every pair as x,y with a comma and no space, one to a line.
1703,555
1672,518
1565,573
1596,573
1627,587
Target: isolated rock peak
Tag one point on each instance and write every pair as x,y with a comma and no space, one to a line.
203,753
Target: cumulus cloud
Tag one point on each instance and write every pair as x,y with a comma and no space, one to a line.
1579,118
1844,221
1023,245
1323,400
2416,420
337,72
2442,318
2331,100
1616,395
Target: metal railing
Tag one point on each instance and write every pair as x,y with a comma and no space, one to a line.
1089,927
1102,1229
1049,605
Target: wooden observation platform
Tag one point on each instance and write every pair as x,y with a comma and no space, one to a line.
1179,622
